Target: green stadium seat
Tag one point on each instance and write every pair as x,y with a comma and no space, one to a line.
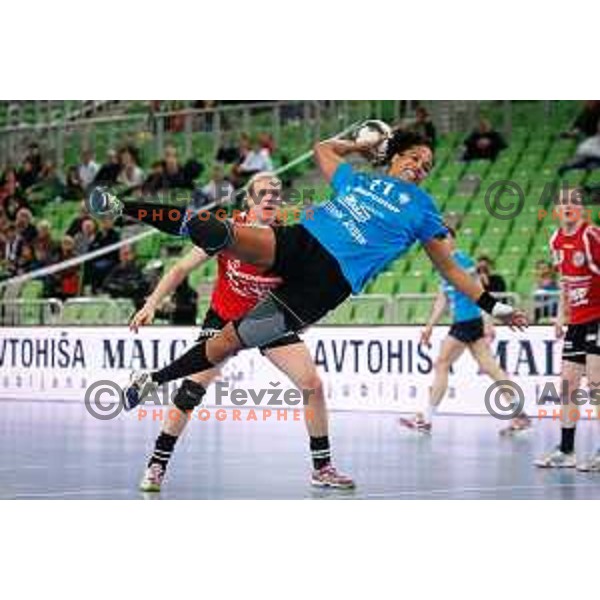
384,284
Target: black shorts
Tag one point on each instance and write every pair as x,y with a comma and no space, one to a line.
468,332
213,323
313,282
580,340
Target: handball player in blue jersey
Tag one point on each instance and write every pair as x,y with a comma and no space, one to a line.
336,249
468,330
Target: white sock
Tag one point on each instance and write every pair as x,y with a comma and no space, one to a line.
430,412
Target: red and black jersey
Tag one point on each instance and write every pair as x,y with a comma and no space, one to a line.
239,286
577,258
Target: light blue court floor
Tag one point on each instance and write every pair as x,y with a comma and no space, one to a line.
57,450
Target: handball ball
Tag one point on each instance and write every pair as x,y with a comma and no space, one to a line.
377,133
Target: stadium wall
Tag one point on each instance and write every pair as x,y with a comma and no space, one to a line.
363,368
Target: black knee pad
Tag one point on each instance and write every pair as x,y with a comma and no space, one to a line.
189,395
210,233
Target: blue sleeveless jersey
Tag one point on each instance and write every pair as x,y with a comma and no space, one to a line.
370,221
461,306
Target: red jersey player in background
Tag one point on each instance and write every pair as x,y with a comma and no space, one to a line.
238,288
575,247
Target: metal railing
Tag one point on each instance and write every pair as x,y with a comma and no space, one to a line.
410,309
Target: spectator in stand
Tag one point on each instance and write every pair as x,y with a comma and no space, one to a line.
26,260
66,283
267,142
126,280
484,143
85,238
34,157
26,230
423,125
546,288
256,160
10,197
170,175
131,175
27,175
74,186
154,180
45,248
586,123
218,189
173,175
587,155
75,226
491,282
10,250
88,169
103,265
231,153
48,186
110,170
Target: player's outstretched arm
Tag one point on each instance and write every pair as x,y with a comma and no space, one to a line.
169,282
441,257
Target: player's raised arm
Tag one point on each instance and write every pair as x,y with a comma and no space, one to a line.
169,282
330,154
442,259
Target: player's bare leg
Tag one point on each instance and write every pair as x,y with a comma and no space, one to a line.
172,429
450,352
296,362
564,454
592,463
482,353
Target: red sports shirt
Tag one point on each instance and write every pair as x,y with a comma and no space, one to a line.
577,258
239,286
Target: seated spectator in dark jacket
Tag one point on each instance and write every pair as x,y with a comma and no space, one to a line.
49,185
126,280
103,265
154,180
27,260
230,152
109,171
34,156
586,123
173,174
73,187
490,281
75,226
66,283
26,230
424,125
170,175
484,143
27,175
